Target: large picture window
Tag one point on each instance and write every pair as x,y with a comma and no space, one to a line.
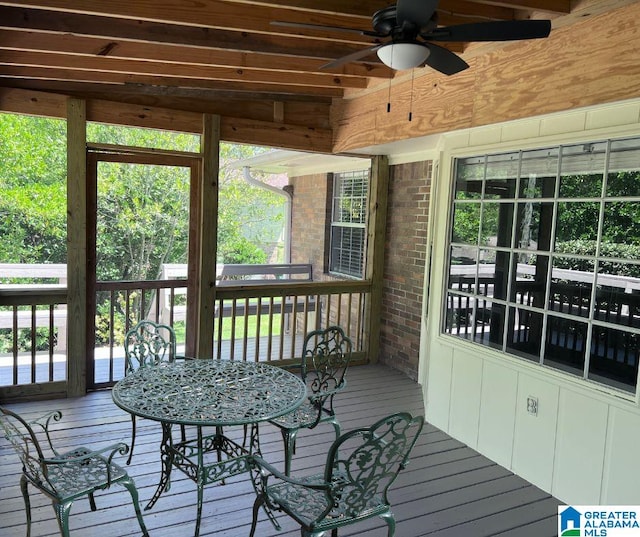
544,257
348,223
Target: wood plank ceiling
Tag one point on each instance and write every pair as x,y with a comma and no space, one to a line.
215,56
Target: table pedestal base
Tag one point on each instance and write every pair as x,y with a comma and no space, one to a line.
206,459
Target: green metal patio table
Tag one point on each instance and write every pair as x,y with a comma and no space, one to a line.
208,393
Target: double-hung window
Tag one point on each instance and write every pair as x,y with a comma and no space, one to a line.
544,258
348,223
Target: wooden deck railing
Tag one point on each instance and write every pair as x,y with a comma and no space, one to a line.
33,323
257,322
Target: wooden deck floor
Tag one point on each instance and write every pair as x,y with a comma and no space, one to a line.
448,490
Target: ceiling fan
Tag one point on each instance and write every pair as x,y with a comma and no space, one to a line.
411,27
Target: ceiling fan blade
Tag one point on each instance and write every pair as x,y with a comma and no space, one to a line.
492,31
321,27
354,56
415,12
445,61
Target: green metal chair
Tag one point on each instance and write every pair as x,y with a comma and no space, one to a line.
325,359
361,466
146,345
63,476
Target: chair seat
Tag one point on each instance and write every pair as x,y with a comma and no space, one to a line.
304,416
78,478
307,505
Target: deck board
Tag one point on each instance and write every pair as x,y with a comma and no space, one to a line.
448,490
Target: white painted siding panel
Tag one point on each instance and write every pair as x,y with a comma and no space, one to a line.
498,413
465,397
621,483
582,429
439,386
535,436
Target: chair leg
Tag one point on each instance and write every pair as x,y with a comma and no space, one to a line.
133,491
336,426
27,503
256,507
391,523
92,502
289,438
62,514
133,438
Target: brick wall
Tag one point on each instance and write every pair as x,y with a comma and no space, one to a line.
310,213
405,250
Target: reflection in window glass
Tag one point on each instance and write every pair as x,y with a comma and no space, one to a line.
565,344
538,171
529,285
618,293
624,178
621,226
571,283
462,269
525,333
582,170
459,315
614,357
493,273
529,234
469,175
533,187
466,223
489,323
496,224
502,166
577,220
500,189
551,206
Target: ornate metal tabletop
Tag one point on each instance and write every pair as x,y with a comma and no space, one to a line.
206,393
209,392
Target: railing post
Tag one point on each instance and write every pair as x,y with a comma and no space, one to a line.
208,232
76,247
376,236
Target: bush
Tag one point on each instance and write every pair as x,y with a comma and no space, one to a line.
611,250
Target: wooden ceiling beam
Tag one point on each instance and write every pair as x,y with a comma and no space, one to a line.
464,9
185,97
79,75
25,40
12,17
234,130
209,13
174,70
559,7
363,8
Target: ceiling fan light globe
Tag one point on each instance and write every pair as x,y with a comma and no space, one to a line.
401,56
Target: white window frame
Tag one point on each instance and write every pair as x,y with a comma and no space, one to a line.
344,259
474,295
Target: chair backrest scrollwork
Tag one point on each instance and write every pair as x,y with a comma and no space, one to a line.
24,440
148,344
363,463
325,359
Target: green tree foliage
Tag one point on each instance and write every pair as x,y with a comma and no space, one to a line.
143,210
33,184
